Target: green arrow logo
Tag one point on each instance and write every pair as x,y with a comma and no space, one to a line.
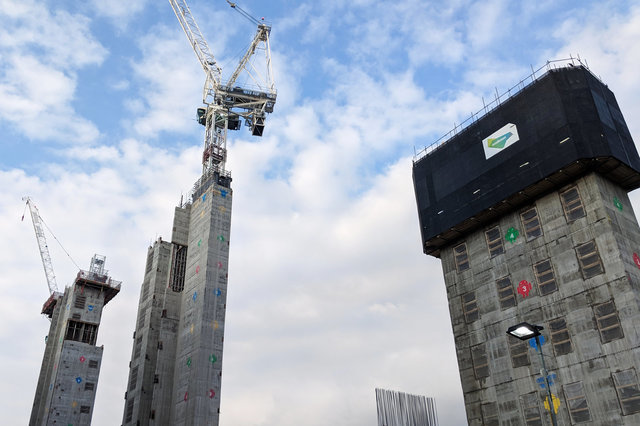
499,142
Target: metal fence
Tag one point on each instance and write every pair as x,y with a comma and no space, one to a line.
402,409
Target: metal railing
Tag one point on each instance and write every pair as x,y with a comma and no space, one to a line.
101,278
499,99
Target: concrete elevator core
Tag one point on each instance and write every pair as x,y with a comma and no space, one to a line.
176,363
527,208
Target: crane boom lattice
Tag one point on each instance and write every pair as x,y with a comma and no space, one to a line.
42,245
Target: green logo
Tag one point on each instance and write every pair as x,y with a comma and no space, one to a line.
512,235
499,142
617,203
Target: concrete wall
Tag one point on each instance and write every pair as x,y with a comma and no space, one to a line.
179,368
70,369
144,354
501,392
198,367
76,383
52,347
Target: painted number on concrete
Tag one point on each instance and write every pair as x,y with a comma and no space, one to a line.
512,235
524,288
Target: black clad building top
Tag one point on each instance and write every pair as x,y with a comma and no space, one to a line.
562,126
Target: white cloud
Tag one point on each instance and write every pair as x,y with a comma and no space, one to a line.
121,12
114,205
62,40
43,50
610,48
170,81
330,295
488,21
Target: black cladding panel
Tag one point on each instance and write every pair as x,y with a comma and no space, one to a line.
568,124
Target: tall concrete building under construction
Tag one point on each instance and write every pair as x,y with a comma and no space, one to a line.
527,208
71,364
176,362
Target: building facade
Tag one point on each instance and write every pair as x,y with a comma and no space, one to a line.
68,378
537,226
176,363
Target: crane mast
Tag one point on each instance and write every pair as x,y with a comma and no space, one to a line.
42,245
226,103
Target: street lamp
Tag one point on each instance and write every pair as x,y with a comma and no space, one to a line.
526,331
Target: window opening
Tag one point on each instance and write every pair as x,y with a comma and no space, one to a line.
470,307
145,290
531,409
626,383
80,301
577,402
608,321
519,350
506,295
480,361
531,223
149,261
545,277
129,413
589,259
141,317
133,379
461,258
560,336
494,241
572,204
178,267
490,414
81,332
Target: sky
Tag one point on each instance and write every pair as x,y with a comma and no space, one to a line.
330,295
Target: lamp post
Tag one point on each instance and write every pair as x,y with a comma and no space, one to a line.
526,331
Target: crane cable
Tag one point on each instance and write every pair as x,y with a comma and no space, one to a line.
52,234
244,13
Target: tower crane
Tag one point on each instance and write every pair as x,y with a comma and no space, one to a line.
42,244
226,102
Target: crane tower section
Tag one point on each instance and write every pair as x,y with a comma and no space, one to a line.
226,103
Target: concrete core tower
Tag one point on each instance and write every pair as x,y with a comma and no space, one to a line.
527,209
71,364
176,363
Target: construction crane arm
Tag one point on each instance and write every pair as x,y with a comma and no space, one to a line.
42,245
262,35
200,47
227,103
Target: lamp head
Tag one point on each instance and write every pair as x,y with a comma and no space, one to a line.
524,330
